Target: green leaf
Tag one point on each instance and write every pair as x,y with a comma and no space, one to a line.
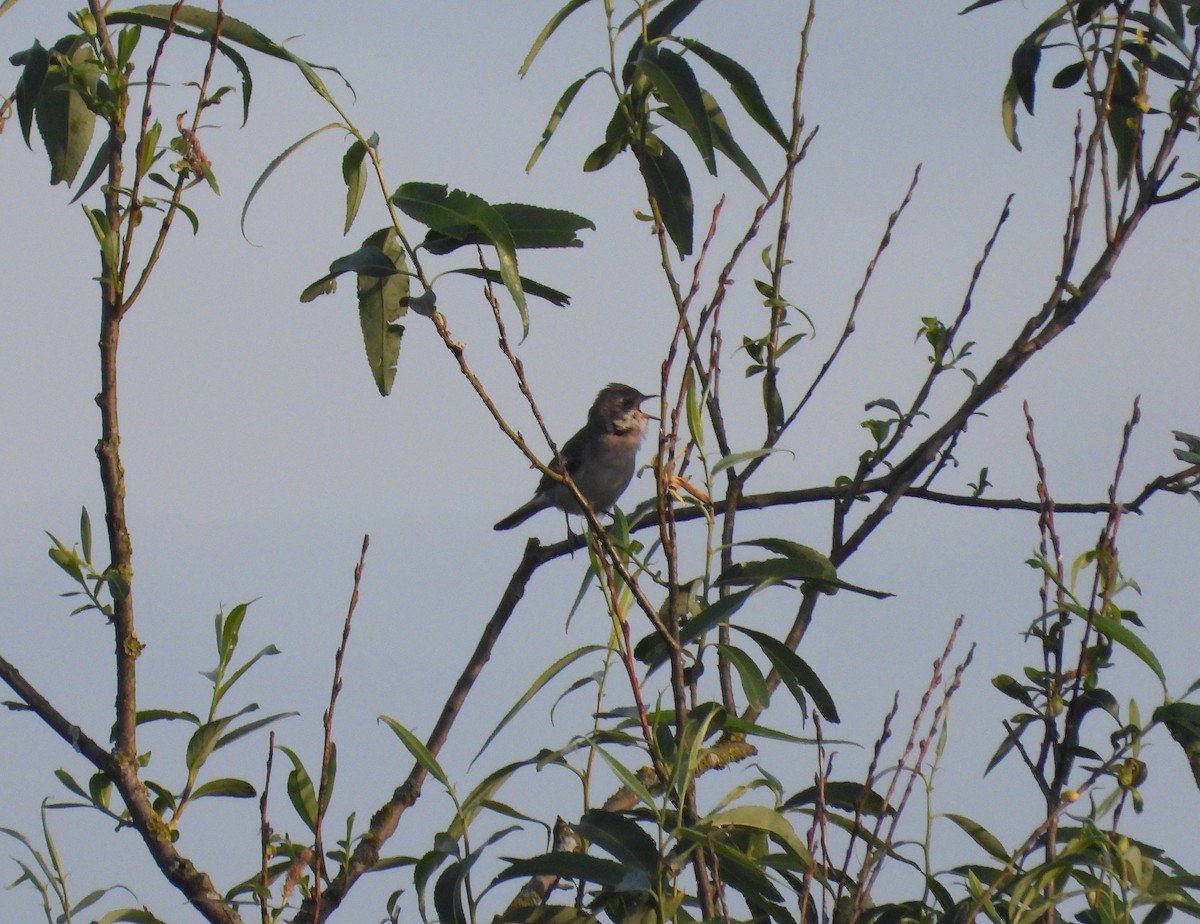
242,730
1069,75
663,23
1008,113
538,684
761,818
85,534
578,867
1025,63
301,790
159,15
980,835
795,673
668,183
548,30
531,226
355,173
63,118
382,300
276,162
560,110
1116,630
531,286
847,795
1012,688
744,86
420,753
457,213
753,683
1183,722
675,83
36,63
737,458
622,837
228,787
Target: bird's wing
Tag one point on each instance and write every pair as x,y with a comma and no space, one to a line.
571,452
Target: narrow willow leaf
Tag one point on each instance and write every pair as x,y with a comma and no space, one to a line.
754,684
420,753
675,83
668,183
737,458
531,286
548,30
556,116
1025,63
355,174
1008,113
1116,630
761,818
382,301
276,162
744,86
576,866
622,837
160,15
301,791
227,787
847,795
36,63
795,673
980,835
1183,722
534,688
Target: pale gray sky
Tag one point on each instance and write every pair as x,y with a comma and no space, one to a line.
258,451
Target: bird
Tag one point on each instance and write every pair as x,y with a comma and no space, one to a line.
600,458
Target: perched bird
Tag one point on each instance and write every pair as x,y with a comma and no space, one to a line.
599,458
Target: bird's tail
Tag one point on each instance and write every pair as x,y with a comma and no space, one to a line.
522,513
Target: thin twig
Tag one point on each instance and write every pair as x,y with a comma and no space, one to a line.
327,745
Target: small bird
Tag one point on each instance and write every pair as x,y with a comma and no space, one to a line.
600,458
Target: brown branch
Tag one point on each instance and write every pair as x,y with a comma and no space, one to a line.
327,746
193,883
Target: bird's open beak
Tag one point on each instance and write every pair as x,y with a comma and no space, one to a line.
646,398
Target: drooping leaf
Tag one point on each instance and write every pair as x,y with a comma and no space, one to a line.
36,62
355,173
556,116
577,866
63,119
675,84
744,86
795,673
274,165
382,301
1183,722
667,182
538,684
622,837
300,789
